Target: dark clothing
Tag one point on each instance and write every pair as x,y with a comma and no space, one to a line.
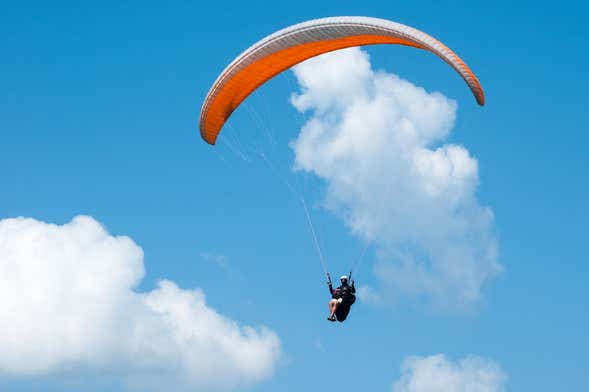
344,291
342,311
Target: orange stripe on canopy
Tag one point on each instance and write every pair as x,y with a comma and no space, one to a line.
293,45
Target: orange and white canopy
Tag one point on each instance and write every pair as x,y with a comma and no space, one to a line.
292,45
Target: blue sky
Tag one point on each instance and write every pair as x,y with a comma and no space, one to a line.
98,112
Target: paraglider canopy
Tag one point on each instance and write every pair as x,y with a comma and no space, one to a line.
292,45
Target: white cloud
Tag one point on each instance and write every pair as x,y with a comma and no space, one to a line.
68,302
376,140
368,295
437,373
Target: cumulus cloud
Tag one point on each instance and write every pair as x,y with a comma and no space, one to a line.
368,295
437,373
378,143
68,302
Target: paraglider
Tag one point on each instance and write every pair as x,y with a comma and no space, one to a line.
292,45
295,44
342,299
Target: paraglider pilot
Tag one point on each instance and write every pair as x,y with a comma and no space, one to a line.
342,299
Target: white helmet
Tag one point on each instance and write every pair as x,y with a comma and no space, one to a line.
344,277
